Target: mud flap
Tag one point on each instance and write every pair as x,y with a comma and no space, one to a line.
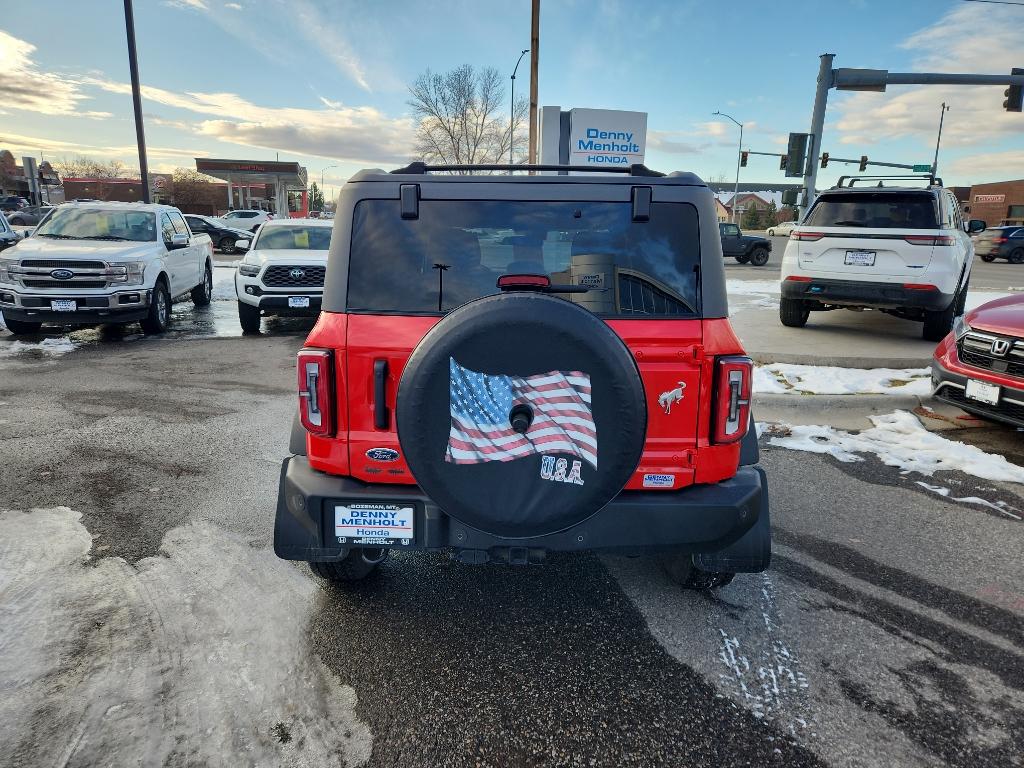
752,552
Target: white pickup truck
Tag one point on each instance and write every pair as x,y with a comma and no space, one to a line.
89,263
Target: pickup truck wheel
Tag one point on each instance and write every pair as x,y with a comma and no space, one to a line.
988,257
203,293
227,245
759,256
1016,256
793,313
249,317
359,564
159,317
770,233
680,569
22,327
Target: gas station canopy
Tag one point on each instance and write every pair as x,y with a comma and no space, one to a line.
284,176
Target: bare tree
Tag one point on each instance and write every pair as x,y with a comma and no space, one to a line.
462,117
82,167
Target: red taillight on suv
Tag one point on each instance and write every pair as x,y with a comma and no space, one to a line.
316,404
733,383
929,239
809,236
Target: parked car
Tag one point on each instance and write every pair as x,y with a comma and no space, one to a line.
283,272
224,238
782,229
93,263
903,250
507,366
247,219
8,236
12,203
30,216
1001,243
742,247
979,366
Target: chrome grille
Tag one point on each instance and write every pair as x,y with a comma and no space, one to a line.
280,276
975,349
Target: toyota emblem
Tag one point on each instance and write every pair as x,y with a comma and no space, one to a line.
62,274
297,274
1000,347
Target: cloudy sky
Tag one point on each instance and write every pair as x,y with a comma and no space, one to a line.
325,82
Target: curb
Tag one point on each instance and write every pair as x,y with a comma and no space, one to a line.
837,361
858,402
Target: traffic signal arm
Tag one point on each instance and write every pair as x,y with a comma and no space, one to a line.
1014,94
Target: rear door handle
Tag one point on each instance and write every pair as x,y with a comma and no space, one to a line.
381,416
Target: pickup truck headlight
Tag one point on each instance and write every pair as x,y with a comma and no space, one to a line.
127,273
5,270
248,270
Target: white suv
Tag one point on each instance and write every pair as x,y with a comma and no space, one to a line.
283,272
247,219
902,250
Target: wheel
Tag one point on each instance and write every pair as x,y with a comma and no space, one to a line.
359,564
940,322
793,313
227,245
22,327
681,570
742,259
1016,256
770,233
249,317
988,257
203,292
759,256
17,221
159,317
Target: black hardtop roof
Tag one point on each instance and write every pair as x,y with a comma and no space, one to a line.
455,174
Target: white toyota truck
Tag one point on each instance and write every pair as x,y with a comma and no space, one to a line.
89,263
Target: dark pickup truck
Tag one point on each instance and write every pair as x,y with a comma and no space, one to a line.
742,247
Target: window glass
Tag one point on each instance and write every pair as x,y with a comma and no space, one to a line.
1015,212
883,210
730,230
294,237
178,222
166,227
456,250
98,224
196,224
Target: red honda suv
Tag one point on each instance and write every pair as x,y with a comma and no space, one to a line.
508,365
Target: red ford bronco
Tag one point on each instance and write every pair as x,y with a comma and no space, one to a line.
510,364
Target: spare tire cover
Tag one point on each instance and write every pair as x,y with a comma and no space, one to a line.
579,384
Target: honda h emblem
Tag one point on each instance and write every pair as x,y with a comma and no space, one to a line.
297,274
1000,347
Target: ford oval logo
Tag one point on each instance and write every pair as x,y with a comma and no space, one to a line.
382,454
297,274
62,274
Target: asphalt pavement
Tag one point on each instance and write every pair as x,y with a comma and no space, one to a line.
147,621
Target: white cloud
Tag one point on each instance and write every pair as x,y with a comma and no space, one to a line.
715,128
25,87
330,104
971,38
199,5
673,142
233,6
987,165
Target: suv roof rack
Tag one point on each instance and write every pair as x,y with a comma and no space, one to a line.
419,167
933,181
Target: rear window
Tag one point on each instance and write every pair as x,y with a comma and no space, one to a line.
294,238
456,250
886,210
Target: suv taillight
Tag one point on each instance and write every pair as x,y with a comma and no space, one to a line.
316,391
733,378
929,239
809,236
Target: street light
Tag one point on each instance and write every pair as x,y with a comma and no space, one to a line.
938,140
736,189
512,115
322,176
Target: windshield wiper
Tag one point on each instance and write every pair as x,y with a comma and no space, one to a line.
56,237
100,237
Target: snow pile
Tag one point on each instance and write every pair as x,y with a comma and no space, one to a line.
784,378
46,347
899,440
224,283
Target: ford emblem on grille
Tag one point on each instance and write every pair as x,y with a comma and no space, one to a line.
297,274
62,274
382,454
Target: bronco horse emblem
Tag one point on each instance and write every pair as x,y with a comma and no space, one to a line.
666,399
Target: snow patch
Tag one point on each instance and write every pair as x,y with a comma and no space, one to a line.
784,378
899,440
224,283
50,347
199,655
998,506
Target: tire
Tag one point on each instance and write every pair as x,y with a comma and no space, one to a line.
680,569
202,294
742,259
770,233
159,317
759,256
988,257
249,317
22,327
17,221
1016,256
227,245
793,313
353,568
939,323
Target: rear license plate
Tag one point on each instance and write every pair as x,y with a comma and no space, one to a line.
64,305
860,258
371,523
298,301
982,391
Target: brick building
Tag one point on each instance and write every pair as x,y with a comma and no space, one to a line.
999,202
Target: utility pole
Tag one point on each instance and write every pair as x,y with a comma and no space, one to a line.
739,155
825,77
133,65
938,140
534,56
512,113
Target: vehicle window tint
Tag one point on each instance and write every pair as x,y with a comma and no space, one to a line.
166,227
298,237
456,250
196,224
98,224
1018,233
178,222
884,210
729,230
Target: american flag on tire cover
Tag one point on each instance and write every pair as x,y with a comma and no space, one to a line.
480,406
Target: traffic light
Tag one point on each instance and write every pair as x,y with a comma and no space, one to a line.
783,161
863,163
824,159
1014,94
743,158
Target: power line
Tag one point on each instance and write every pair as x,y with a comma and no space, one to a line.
996,2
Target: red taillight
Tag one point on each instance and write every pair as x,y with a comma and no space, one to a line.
998,239
920,287
929,239
316,391
811,236
798,279
733,377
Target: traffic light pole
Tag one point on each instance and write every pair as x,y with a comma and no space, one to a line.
825,81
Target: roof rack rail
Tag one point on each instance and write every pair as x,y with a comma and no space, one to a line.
419,167
933,181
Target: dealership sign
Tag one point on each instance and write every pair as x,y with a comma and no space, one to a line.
607,137
989,198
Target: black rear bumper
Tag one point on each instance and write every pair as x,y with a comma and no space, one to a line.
865,294
699,519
